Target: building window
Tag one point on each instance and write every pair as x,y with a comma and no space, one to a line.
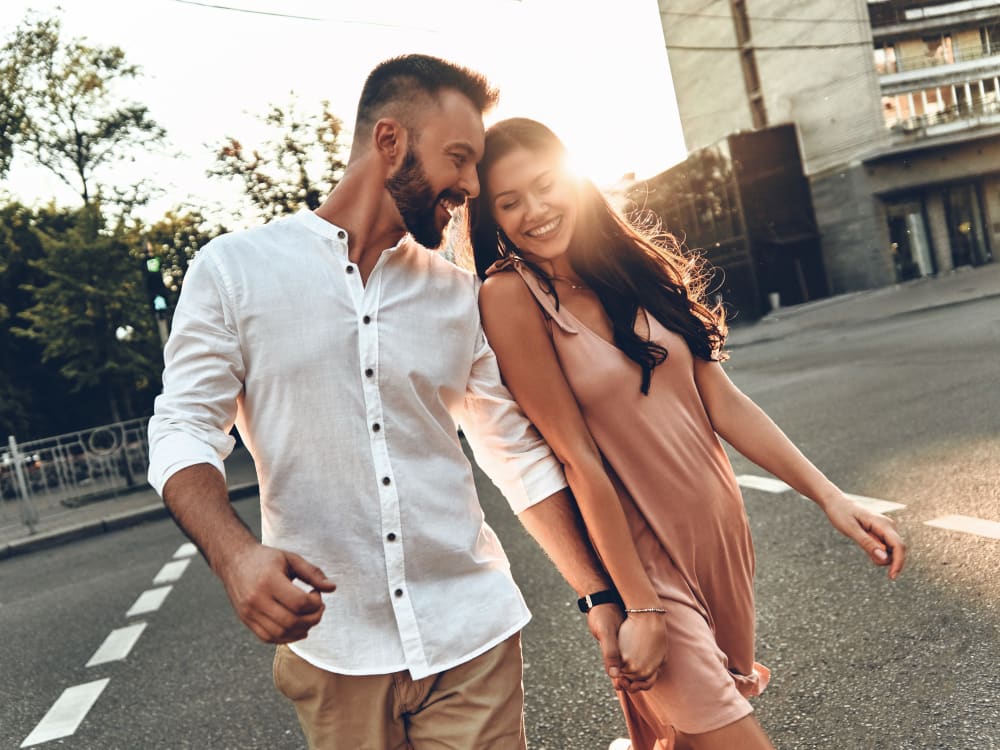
938,50
885,60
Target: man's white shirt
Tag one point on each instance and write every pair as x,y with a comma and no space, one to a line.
348,396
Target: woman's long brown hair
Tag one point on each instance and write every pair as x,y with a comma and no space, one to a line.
627,268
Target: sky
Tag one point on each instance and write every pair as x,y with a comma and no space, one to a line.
594,71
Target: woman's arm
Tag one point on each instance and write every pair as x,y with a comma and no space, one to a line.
516,331
745,426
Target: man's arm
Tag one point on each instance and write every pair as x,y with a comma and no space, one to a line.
189,438
257,579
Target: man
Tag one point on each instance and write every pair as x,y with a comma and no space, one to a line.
346,353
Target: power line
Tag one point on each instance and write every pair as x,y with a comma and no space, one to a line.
765,47
276,14
248,10
789,19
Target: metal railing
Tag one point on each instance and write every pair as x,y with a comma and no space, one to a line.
963,110
48,476
958,54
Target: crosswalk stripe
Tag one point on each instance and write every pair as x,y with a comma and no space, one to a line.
767,484
776,486
186,550
876,505
66,713
117,645
149,601
171,571
968,525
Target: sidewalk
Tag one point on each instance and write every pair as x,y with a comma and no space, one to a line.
948,289
101,516
951,288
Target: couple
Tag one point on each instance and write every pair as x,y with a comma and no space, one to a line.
348,354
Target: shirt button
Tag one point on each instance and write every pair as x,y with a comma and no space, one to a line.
398,592
391,536
376,427
341,234
369,372
366,320
350,269
386,481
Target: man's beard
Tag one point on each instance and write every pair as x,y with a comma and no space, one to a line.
415,200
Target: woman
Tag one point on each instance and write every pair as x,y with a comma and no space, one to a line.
603,337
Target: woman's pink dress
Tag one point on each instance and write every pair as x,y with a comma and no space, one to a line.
687,518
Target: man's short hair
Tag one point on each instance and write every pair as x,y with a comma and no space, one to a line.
399,86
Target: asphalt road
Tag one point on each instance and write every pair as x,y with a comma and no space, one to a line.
905,410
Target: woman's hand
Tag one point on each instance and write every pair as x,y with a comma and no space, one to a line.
874,533
642,639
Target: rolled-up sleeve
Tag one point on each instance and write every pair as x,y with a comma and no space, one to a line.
202,378
505,444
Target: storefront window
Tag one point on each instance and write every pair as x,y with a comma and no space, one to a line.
911,247
963,207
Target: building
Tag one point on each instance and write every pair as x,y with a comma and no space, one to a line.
744,202
896,105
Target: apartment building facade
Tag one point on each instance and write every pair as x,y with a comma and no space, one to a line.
896,105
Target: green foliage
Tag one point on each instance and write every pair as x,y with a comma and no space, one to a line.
295,168
21,56
69,115
175,239
92,285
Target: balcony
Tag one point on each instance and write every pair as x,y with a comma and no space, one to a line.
955,56
962,116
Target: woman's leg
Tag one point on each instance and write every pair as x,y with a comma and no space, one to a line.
746,734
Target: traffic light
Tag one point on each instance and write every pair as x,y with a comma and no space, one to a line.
154,285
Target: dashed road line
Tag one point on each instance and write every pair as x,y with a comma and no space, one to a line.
66,713
968,525
766,484
71,708
171,571
149,601
117,645
876,505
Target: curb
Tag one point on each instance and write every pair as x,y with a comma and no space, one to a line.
115,522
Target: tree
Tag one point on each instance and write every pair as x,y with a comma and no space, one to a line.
72,120
175,239
19,58
92,285
297,167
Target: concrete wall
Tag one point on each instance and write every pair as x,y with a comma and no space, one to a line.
711,96
959,162
831,93
854,233
991,197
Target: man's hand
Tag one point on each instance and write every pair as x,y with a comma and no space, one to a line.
604,621
258,581
642,640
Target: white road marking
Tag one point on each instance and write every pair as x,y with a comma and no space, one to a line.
149,601
767,484
186,550
171,571
117,645
66,713
875,505
967,524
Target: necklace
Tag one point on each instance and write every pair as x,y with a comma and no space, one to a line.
572,284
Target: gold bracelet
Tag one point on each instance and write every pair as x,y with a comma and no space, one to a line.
657,610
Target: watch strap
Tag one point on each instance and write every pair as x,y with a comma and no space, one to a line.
608,596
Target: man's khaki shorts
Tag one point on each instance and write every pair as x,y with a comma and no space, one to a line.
478,705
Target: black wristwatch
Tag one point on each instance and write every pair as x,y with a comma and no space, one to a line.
608,596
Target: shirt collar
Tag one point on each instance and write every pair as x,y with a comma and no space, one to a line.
331,231
321,226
